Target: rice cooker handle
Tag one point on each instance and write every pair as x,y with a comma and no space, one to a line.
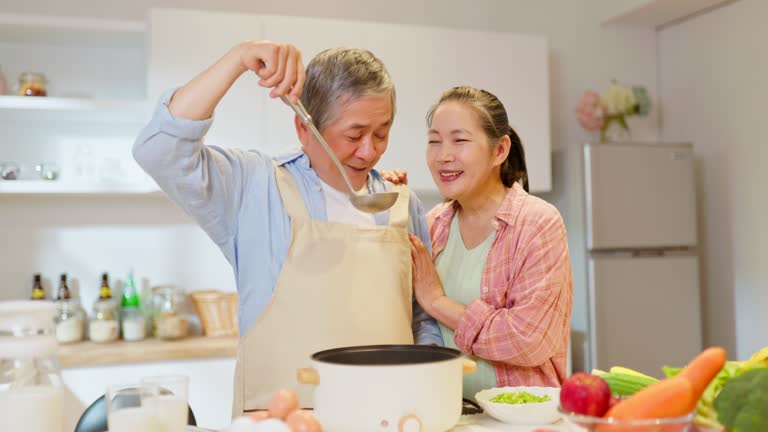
407,423
308,376
468,367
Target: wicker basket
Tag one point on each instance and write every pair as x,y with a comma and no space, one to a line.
217,311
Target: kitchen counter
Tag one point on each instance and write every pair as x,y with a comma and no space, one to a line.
149,350
484,423
474,423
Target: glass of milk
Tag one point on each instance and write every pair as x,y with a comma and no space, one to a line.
127,413
166,398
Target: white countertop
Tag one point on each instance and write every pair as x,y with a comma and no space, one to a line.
474,423
481,423
484,423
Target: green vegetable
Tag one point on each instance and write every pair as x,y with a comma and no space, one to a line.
627,385
742,402
519,398
623,381
670,371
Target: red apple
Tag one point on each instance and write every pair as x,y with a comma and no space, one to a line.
585,394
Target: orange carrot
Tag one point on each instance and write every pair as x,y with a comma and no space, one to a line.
666,398
702,370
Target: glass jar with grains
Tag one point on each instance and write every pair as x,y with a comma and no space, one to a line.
170,321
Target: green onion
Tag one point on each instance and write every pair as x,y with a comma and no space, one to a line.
519,398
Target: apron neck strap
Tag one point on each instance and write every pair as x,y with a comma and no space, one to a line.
292,199
398,214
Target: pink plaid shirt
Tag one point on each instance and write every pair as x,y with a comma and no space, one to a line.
522,319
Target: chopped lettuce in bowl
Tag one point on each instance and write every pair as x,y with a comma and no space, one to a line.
521,397
521,405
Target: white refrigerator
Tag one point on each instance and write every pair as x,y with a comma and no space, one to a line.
643,275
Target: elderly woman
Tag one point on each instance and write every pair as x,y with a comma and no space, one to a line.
501,284
312,271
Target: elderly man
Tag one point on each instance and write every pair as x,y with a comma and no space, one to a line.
313,272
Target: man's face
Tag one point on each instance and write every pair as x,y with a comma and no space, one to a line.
358,135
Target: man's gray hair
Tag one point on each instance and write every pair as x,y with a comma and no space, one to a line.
340,75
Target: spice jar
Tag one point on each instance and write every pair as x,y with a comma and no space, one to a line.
104,326
32,84
69,323
170,321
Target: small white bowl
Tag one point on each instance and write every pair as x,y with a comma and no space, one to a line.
537,413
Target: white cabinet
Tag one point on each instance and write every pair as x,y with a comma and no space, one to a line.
311,36
94,109
423,61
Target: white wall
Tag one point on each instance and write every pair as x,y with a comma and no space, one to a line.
87,236
582,55
713,81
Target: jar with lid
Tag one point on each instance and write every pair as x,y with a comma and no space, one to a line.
31,388
32,84
170,320
70,322
71,317
104,325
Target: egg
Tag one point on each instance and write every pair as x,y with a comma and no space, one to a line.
302,421
283,403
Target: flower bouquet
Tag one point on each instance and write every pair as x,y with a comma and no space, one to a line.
610,110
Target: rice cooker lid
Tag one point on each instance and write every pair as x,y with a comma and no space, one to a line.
384,355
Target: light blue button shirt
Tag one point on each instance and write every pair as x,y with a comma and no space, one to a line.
233,196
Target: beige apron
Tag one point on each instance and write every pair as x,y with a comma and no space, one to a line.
340,285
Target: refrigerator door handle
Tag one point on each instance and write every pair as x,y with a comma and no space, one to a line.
679,155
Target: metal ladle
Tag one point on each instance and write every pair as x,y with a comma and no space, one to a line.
369,203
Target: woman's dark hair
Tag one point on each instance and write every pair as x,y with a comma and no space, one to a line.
495,124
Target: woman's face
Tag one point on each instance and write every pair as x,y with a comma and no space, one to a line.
460,156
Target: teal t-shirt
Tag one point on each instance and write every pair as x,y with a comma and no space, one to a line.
461,272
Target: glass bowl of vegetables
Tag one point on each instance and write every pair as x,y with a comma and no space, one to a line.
583,423
521,405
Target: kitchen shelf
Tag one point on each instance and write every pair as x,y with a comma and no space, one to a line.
82,59
70,104
148,350
71,31
42,187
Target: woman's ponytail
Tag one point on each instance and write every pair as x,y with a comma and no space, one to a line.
513,169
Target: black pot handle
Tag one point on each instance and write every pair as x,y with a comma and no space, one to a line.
470,407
